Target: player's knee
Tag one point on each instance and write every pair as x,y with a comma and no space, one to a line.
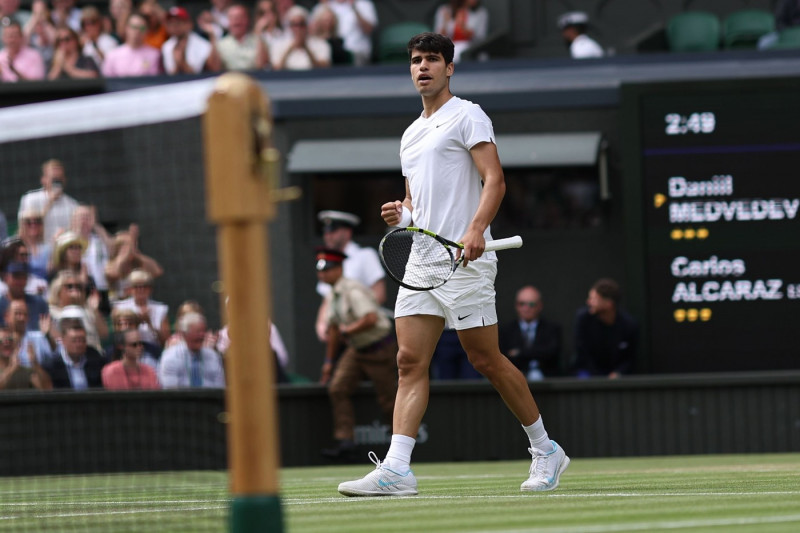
409,364
485,364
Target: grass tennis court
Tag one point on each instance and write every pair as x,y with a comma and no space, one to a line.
741,493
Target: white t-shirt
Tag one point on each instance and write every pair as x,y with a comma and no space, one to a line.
362,264
444,182
298,59
58,217
157,312
584,47
197,52
105,43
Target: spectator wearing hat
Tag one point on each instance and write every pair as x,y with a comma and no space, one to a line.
95,41
55,205
124,257
68,255
154,325
354,318
242,48
573,26
134,57
67,298
189,363
16,278
300,50
76,365
14,250
185,52
361,264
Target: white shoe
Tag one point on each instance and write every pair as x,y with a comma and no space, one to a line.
381,482
546,469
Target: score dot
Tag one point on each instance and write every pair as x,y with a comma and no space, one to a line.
705,314
702,233
680,315
676,234
691,315
689,233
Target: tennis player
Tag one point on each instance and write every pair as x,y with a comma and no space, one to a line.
454,186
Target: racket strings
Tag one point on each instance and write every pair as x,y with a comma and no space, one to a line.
416,259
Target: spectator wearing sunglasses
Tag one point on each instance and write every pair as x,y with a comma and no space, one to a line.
129,372
154,325
531,342
95,41
134,57
68,59
68,294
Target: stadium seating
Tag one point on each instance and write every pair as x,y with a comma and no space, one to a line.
742,29
693,31
393,40
788,38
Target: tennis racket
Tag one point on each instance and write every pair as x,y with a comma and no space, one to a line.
421,260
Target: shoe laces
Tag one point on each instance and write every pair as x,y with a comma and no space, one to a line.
374,459
539,463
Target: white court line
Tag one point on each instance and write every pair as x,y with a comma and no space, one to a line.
113,513
126,502
672,524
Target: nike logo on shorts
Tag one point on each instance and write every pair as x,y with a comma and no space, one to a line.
465,316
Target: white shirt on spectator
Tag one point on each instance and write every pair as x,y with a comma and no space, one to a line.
197,52
105,43
355,41
584,47
298,59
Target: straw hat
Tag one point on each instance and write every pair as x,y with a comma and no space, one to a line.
64,241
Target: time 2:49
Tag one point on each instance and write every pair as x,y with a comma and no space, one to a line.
677,124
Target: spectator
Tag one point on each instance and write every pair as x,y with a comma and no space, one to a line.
300,50
573,26
68,60
531,342
121,321
9,9
120,11
76,365
241,49
185,52
606,337
124,257
68,292
154,323
14,250
40,30
787,15
68,255
325,26
268,24
16,277
191,306
66,14
134,57
214,22
96,41
18,62
155,16
13,375
95,257
190,364
129,373
283,7
357,20
449,360
31,232
41,342
355,318
51,200
466,22
362,264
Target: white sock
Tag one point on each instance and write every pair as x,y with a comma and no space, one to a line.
398,457
538,436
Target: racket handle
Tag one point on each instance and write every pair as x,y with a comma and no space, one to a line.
504,244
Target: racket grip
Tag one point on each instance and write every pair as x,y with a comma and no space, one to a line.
504,244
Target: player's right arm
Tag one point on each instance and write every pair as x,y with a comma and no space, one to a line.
392,212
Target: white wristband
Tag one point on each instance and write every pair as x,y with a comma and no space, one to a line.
405,218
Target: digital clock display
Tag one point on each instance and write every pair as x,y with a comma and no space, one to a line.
716,167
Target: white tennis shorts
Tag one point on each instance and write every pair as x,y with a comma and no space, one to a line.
466,301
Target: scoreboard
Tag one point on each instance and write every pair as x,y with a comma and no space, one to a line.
715,173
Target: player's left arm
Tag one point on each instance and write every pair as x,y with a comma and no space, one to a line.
486,160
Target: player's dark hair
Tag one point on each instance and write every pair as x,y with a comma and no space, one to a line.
608,289
432,42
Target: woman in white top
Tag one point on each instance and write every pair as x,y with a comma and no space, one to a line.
154,327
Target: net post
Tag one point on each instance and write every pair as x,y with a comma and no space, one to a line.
239,200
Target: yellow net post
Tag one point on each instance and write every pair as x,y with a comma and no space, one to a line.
240,200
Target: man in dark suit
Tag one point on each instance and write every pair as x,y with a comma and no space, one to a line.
531,342
75,364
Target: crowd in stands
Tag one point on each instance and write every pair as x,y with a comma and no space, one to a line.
77,306
57,40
